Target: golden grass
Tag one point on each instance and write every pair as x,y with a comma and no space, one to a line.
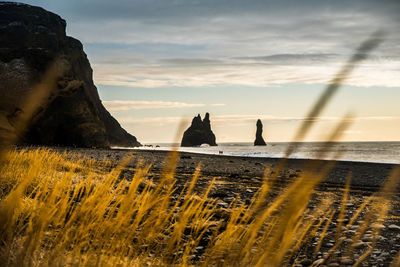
58,210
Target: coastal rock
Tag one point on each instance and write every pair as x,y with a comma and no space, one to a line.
69,112
259,139
199,133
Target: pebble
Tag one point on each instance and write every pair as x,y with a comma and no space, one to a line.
377,226
366,238
354,227
229,199
358,244
394,227
329,245
376,252
318,262
346,261
384,255
306,262
381,238
223,204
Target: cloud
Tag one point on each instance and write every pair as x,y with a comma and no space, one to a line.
116,105
249,72
160,43
284,59
241,119
218,105
353,132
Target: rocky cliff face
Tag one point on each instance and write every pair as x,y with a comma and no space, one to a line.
259,139
70,112
199,132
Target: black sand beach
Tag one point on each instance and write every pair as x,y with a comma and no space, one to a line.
365,176
241,177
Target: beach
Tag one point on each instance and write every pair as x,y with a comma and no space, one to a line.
239,178
366,176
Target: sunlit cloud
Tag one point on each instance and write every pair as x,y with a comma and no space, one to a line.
117,105
352,132
218,105
193,44
239,119
245,72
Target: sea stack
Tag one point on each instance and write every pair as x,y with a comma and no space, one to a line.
259,139
199,132
32,40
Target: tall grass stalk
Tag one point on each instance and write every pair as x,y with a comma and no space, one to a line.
58,210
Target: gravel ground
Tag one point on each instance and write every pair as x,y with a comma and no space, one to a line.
243,176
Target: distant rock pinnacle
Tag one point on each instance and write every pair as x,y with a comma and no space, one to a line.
259,139
199,132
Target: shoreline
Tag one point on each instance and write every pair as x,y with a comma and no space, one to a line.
371,152
253,157
366,176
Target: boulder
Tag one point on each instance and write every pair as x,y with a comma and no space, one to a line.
46,83
259,139
199,133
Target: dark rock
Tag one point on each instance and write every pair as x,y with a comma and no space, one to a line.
70,112
259,139
306,262
199,133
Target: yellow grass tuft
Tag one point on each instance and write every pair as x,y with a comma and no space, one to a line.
57,210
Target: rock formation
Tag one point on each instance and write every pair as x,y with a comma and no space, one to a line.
199,133
259,139
31,41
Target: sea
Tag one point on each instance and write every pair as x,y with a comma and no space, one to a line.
381,152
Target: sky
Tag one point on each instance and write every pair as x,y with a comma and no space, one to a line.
158,63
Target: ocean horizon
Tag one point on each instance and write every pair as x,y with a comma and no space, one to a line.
365,151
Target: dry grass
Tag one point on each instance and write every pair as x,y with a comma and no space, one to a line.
57,210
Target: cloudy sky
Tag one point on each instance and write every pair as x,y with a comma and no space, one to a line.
157,62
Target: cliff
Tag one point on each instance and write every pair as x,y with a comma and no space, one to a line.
199,132
70,112
259,139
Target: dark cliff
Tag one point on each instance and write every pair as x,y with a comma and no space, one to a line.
259,139
199,132
31,41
